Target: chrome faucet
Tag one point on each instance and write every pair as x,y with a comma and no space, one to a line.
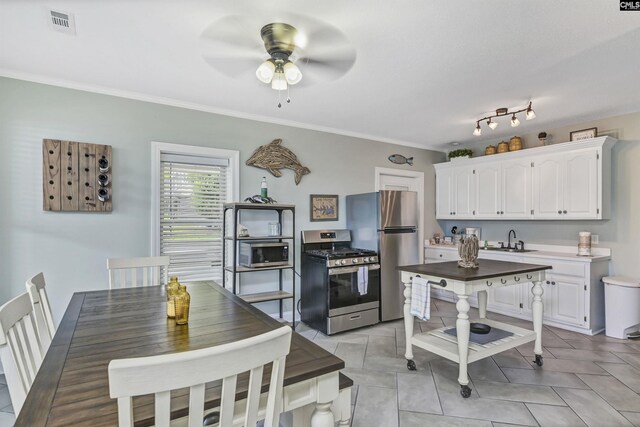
509,240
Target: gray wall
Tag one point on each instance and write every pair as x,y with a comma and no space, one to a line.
621,233
71,248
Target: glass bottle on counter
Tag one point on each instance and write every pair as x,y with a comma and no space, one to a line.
182,303
172,288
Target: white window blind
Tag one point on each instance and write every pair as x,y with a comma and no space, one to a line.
192,192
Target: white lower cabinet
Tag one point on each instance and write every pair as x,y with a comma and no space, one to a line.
566,297
573,295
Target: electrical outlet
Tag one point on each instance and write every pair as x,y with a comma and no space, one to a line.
595,239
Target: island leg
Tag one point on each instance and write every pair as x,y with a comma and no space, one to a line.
482,304
408,322
537,308
463,330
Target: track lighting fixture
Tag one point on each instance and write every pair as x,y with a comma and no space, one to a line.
529,114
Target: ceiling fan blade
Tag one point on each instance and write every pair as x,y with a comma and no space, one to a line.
322,71
236,68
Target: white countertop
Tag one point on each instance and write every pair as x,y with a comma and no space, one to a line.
568,253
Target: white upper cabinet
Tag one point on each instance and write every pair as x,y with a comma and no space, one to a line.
516,188
444,193
562,181
566,186
455,193
488,194
464,192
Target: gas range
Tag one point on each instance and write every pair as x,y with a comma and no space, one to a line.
340,285
345,256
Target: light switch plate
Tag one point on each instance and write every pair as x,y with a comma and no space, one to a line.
595,239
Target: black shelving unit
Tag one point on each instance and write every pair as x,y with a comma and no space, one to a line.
231,234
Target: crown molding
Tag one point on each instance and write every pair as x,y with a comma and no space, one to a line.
137,96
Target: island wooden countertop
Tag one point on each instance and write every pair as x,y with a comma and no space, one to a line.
487,269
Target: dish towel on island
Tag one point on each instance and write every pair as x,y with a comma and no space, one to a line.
363,280
420,298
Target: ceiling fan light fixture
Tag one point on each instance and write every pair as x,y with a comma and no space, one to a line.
279,82
292,73
265,71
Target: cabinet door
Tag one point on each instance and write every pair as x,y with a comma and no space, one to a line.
581,184
516,189
505,300
444,193
567,297
464,194
547,187
488,191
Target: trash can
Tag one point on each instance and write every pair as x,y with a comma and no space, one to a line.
622,307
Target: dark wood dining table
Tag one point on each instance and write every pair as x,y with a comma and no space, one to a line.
72,388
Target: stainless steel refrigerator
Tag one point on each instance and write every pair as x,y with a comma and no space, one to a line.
387,222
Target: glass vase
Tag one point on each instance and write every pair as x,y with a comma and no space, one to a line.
182,302
172,288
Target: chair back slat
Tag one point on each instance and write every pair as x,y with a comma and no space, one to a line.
163,408
253,395
21,350
274,401
227,403
150,267
192,369
36,287
196,405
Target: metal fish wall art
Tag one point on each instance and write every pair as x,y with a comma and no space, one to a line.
274,157
399,159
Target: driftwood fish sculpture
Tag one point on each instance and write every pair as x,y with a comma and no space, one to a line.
273,157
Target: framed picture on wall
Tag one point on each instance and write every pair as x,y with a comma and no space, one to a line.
577,135
323,207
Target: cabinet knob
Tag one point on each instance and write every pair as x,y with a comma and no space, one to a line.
440,255
501,212
564,212
498,213
548,282
553,283
559,212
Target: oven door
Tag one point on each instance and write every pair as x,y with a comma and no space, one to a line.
347,291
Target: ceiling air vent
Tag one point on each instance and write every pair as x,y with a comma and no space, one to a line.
63,22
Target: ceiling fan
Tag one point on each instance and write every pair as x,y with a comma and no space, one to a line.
308,53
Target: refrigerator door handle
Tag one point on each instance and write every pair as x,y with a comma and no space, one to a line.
399,230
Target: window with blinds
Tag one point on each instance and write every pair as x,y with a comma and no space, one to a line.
192,192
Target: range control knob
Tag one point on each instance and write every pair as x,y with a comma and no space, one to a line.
371,259
354,261
343,262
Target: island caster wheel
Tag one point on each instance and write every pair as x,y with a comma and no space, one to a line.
538,360
411,365
465,391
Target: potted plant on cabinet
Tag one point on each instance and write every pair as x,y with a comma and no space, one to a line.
460,153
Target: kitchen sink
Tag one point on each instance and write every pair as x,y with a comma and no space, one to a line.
508,250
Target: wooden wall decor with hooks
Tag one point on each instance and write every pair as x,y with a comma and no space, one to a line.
76,176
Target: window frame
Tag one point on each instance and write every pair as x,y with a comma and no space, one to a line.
159,148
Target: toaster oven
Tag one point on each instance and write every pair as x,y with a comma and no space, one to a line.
263,254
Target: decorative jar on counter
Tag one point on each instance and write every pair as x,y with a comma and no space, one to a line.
182,302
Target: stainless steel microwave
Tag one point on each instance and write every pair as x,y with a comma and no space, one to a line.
269,254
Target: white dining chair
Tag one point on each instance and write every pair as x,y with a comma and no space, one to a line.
41,309
121,268
21,351
163,373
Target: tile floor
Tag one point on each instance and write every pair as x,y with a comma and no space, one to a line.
593,381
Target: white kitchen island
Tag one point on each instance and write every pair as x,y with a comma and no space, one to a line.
464,282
